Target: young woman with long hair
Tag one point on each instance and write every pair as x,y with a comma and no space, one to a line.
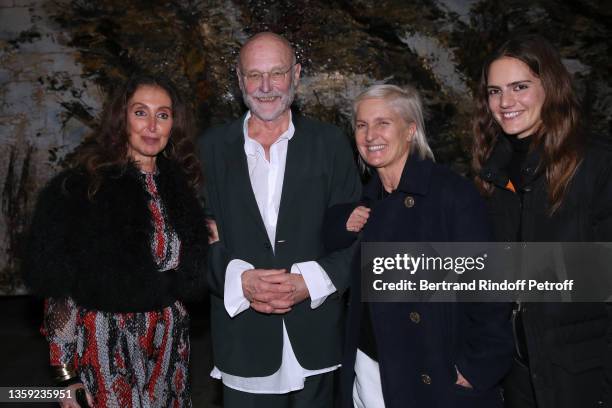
545,181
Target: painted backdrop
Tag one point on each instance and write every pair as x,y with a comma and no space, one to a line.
59,58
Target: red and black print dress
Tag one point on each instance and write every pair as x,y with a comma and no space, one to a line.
127,359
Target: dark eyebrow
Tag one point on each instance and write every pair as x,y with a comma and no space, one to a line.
146,106
511,83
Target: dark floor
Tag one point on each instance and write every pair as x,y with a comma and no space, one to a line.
24,359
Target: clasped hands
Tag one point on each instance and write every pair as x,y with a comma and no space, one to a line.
273,290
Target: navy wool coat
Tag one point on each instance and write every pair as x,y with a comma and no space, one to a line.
417,357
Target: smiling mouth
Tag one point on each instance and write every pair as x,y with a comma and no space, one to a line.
511,115
267,99
375,148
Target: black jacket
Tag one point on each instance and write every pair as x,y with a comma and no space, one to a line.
98,252
418,357
320,171
567,343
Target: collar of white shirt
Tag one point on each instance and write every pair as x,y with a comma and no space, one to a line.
251,146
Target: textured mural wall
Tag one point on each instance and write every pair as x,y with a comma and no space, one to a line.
59,58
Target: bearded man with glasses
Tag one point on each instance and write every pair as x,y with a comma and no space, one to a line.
277,296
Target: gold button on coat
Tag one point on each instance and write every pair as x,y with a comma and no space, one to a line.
409,202
426,379
415,317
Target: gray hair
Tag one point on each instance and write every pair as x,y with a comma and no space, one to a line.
407,103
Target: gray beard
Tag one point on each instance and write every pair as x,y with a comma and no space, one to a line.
286,101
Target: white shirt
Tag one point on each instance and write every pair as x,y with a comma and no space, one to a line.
267,183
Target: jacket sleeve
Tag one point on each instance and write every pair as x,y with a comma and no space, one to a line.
345,188
60,329
192,269
218,259
218,256
486,347
606,396
335,234
48,265
602,210
602,203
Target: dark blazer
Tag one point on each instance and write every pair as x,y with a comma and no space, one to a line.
320,172
569,344
98,251
417,357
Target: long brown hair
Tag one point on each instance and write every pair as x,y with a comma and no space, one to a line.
106,147
559,137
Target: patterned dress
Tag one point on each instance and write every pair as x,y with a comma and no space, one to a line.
127,359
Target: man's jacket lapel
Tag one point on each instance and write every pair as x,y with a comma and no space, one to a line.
238,172
294,166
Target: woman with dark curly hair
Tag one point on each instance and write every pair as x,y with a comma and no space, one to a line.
118,241
545,182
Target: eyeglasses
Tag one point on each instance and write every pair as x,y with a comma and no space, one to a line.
276,76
